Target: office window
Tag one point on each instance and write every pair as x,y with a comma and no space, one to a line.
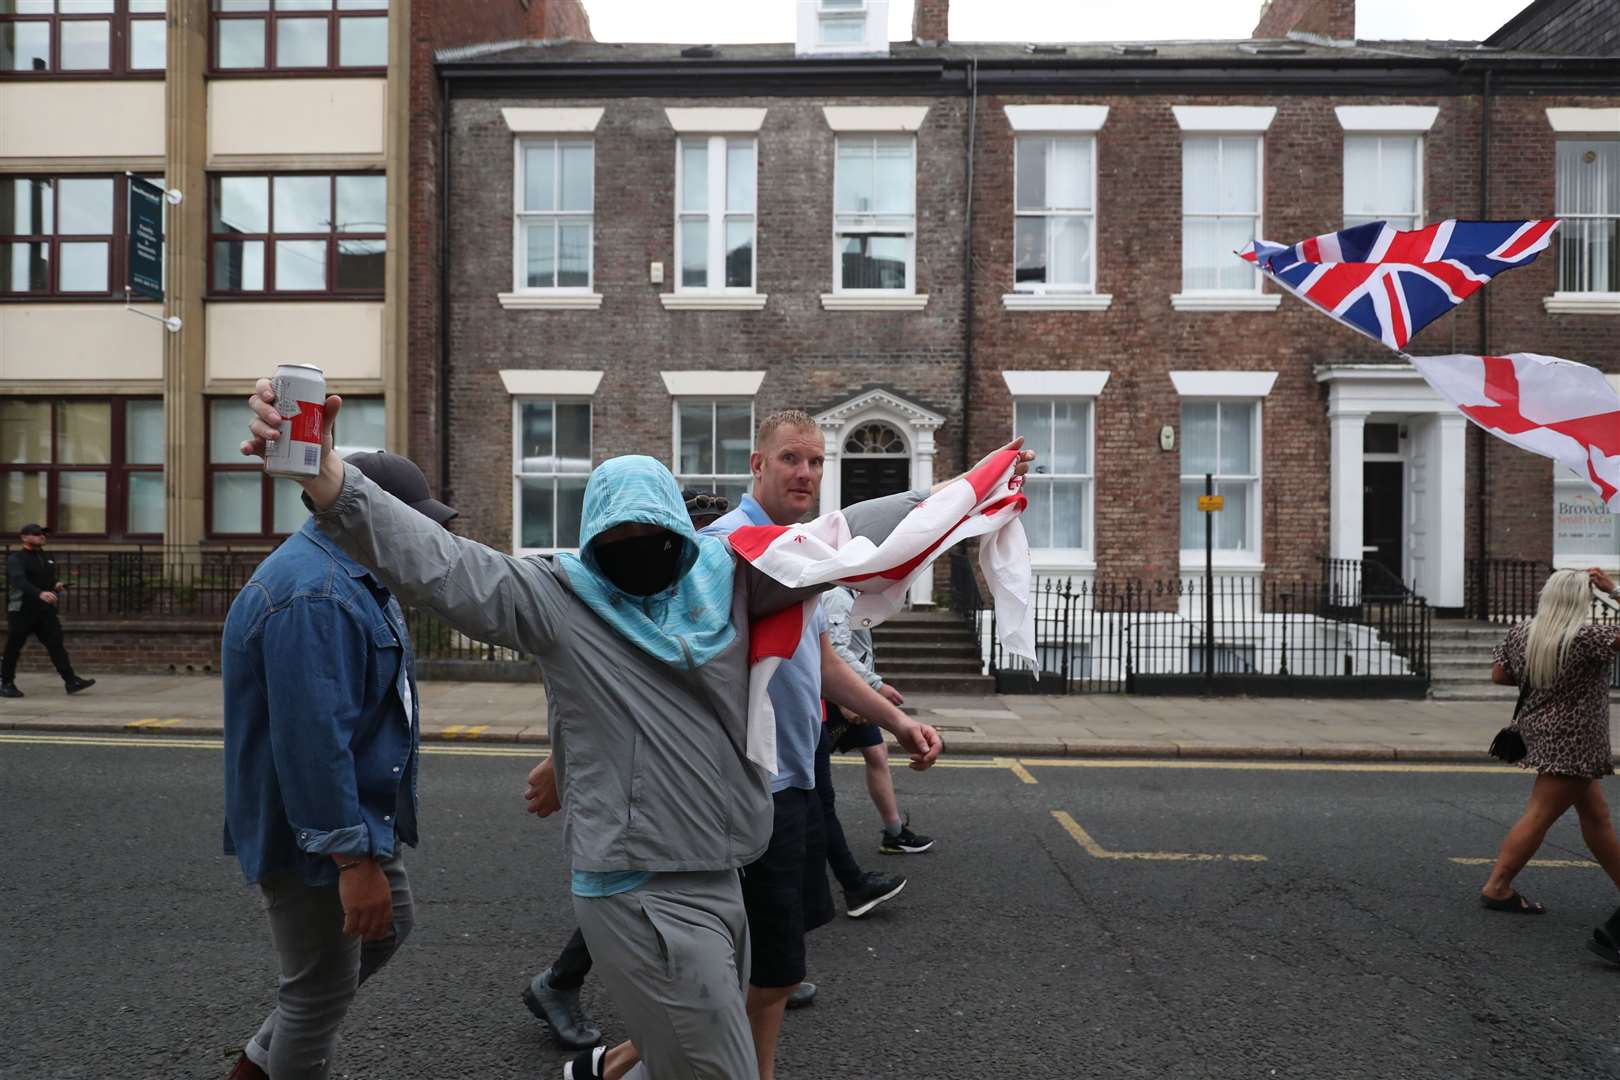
1383,180
1588,201
875,217
101,37
1054,221
714,235
61,236
300,35
305,234
1220,205
241,500
1059,487
1222,438
841,22
551,464
556,181
82,467
713,440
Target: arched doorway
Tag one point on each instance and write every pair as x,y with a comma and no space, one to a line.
875,462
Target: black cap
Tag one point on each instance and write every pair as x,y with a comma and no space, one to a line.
400,477
32,529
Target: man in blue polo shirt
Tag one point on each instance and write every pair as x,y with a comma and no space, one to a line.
785,891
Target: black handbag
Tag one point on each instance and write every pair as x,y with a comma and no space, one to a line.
1509,745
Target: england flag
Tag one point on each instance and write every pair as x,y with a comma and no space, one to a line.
1556,408
986,502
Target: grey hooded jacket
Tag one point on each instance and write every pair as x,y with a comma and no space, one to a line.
651,760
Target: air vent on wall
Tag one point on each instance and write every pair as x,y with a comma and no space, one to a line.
700,52
1047,50
1137,50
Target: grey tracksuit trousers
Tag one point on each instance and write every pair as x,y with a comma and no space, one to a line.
673,955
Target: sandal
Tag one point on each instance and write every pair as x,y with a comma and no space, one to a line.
1515,905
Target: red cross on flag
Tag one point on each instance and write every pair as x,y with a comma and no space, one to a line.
1556,408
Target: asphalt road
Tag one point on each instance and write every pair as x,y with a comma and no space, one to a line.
1023,947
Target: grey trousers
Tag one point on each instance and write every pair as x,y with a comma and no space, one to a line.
674,957
321,968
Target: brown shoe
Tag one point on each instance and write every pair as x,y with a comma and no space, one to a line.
246,1070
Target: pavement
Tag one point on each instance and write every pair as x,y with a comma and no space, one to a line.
1077,725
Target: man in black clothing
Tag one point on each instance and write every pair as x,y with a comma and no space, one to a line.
32,586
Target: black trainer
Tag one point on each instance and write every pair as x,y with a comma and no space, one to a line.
76,684
803,994
874,889
587,1066
904,842
561,1011
10,690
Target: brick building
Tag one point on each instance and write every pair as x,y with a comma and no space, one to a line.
929,245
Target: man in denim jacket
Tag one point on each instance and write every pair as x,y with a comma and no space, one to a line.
321,741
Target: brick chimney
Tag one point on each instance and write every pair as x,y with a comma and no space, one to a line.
554,19
930,22
1329,18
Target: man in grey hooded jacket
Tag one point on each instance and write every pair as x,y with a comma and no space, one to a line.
643,641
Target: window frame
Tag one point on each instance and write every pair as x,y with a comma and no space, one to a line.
839,233
522,217
332,238
518,475
1047,288
1084,555
267,501
1259,214
120,21
116,470
713,480
857,13
1570,290
117,242
1420,147
1252,556
269,15
718,215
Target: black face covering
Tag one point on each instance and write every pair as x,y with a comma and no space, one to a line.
641,565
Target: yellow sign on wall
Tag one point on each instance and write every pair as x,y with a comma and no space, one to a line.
1209,504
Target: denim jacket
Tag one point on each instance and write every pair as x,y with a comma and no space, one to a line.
321,728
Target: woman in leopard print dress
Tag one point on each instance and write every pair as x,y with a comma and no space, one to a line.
1566,659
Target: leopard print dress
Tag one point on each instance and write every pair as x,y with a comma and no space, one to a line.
1566,725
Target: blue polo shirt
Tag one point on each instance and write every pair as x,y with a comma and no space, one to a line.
796,687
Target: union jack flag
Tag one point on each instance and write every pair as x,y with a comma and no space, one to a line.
1390,284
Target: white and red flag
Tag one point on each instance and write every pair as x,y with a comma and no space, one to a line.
1556,408
986,502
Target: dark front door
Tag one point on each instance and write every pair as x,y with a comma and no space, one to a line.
874,477
1383,494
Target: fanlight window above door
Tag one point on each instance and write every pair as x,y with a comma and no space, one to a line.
875,438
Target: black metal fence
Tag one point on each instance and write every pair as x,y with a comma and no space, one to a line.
1503,590
1269,637
154,580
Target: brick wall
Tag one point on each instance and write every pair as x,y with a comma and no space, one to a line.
131,647
437,26
930,21
1580,27
812,358
1330,18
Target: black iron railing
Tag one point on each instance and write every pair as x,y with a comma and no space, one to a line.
434,640
1349,580
155,580
1503,590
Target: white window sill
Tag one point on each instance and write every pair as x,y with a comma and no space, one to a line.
1055,562
874,301
1575,303
1232,301
550,301
1192,564
705,301
1022,301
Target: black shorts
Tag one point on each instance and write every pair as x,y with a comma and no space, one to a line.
846,736
785,890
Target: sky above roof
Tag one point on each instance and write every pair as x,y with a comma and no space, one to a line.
721,21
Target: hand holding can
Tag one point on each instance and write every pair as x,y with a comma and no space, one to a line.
265,430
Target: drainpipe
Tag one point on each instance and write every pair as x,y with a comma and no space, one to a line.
972,70
444,293
1481,439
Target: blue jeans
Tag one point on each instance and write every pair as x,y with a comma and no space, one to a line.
321,968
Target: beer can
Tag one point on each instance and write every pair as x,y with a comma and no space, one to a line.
301,401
